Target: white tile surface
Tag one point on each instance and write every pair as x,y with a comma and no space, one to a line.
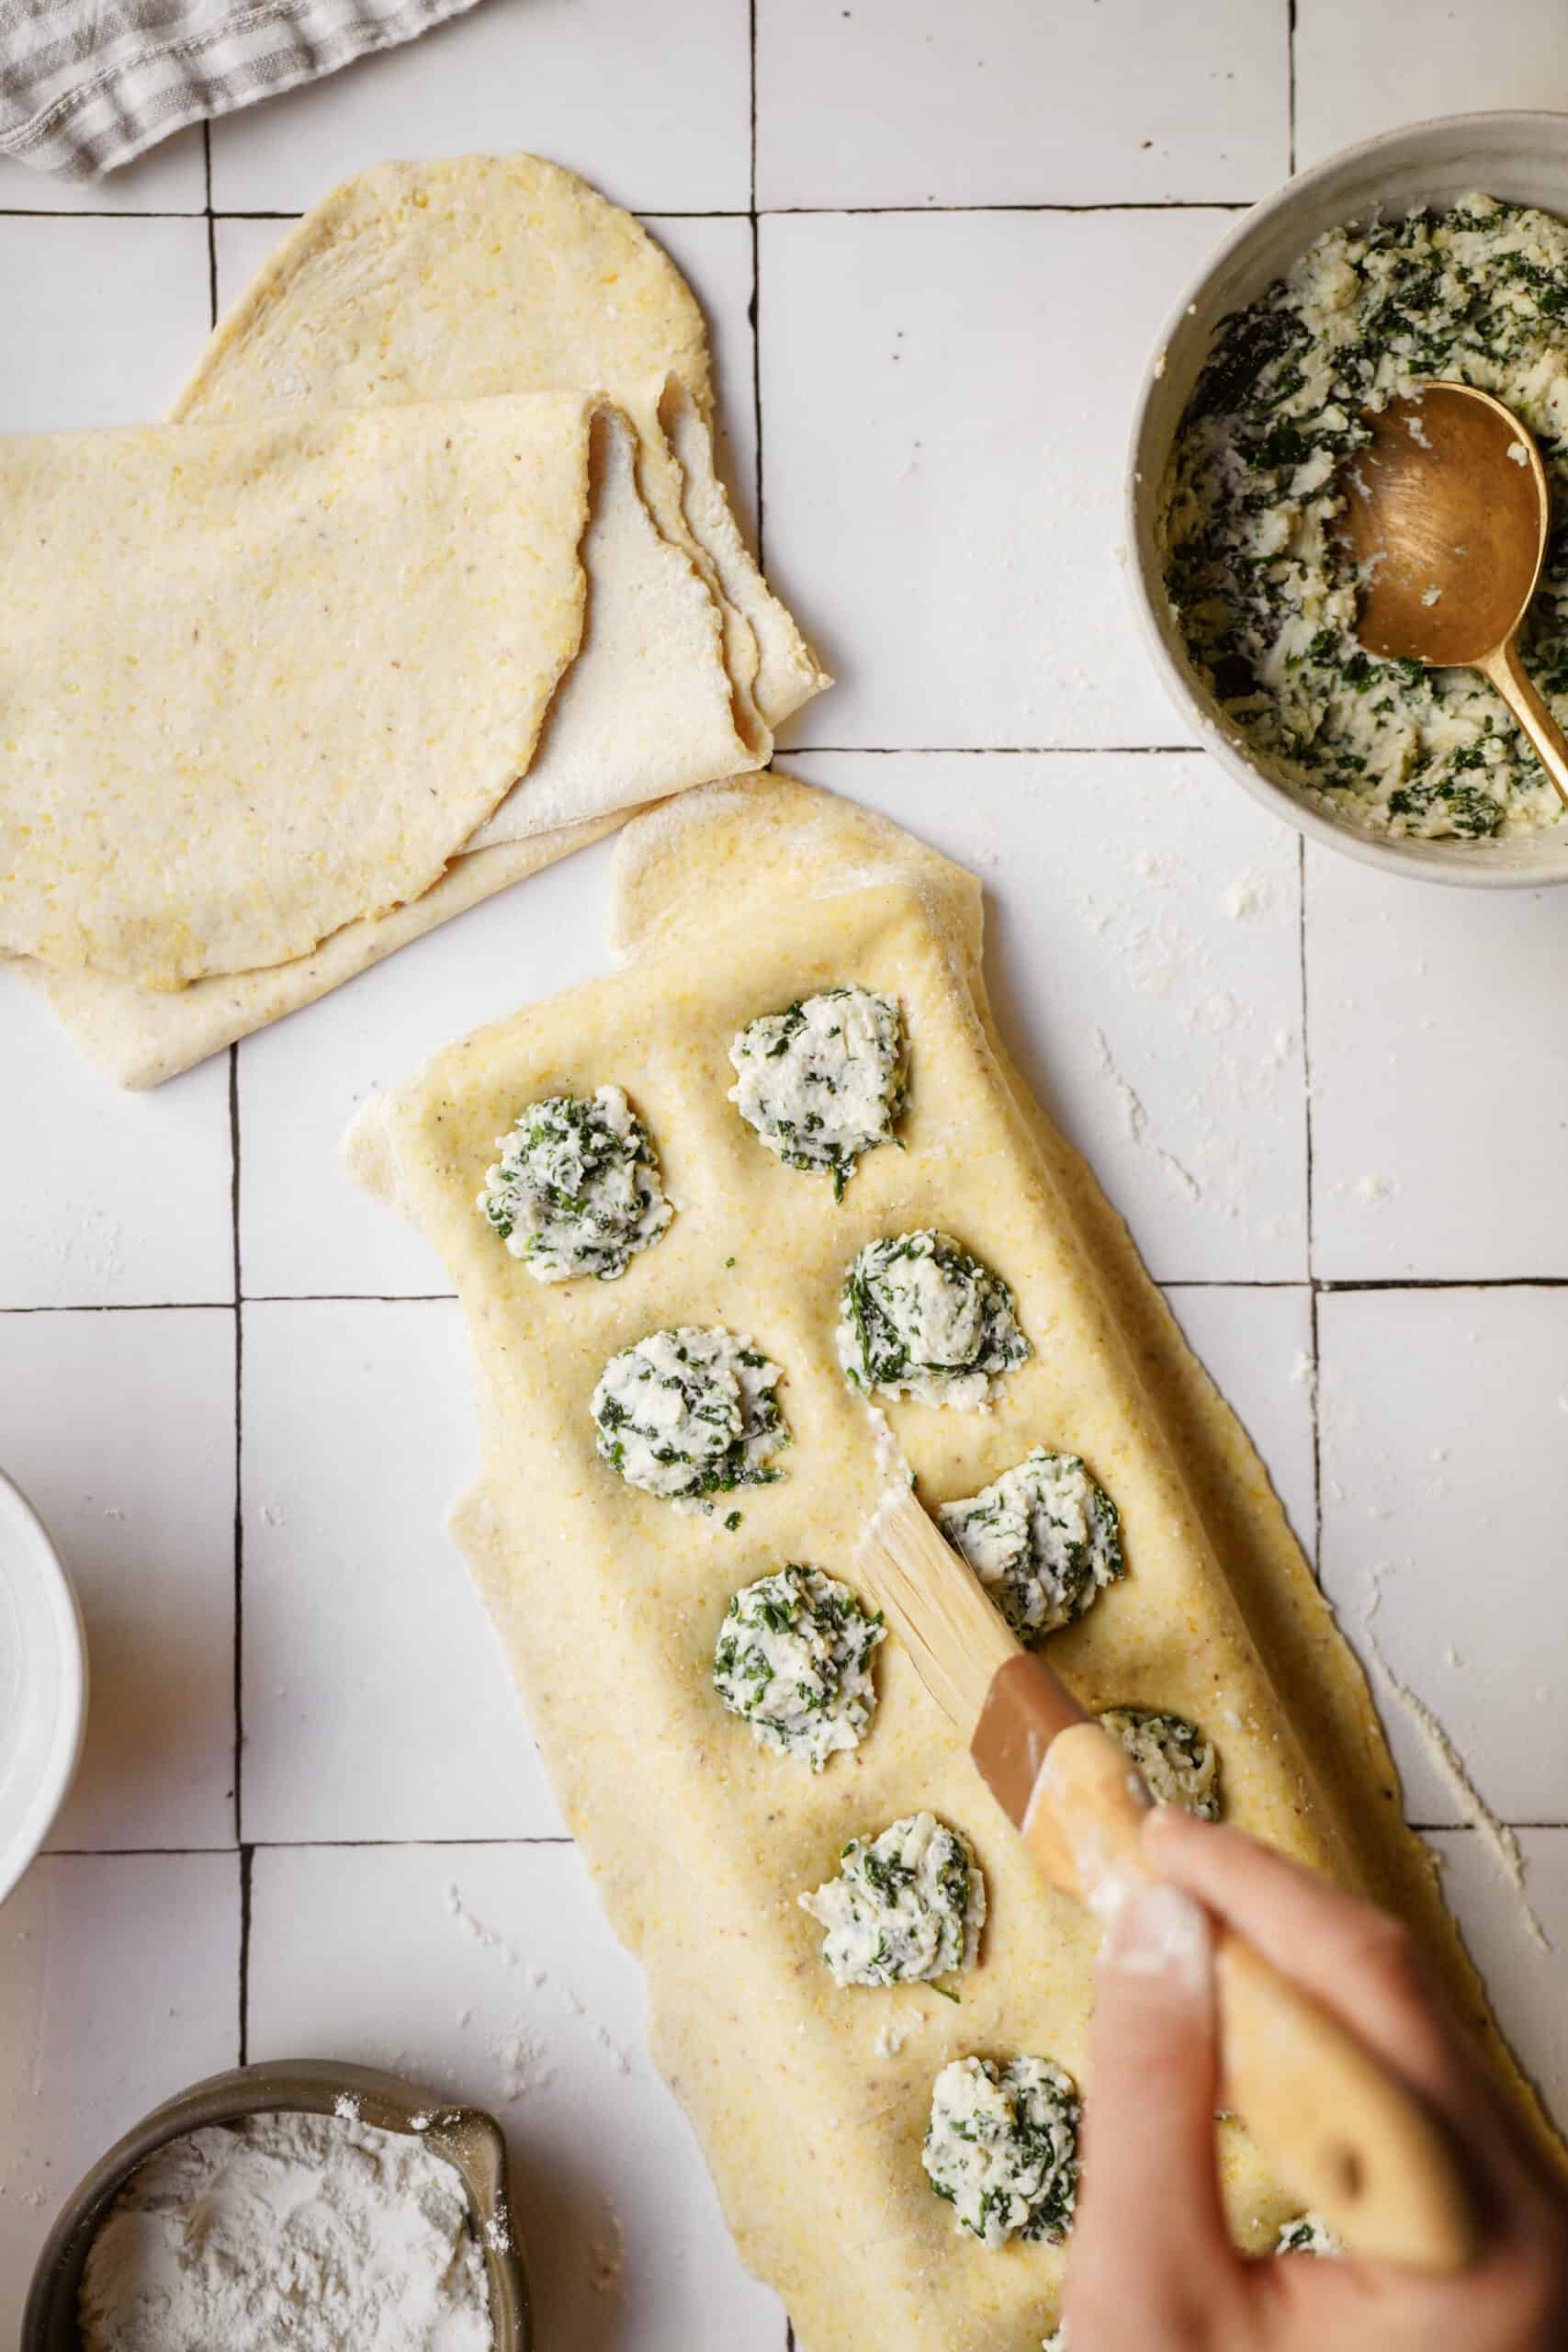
949,533
103,318
1525,1982
521,1999
118,1985
1445,1493
945,409
650,104
917,102
128,1203
1360,69
1257,1345
304,1228
1145,962
1439,1076
169,178
120,1429
377,1704
240,247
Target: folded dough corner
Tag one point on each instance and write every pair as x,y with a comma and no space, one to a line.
811,2099
431,580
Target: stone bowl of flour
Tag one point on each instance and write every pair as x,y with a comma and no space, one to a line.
1519,157
296,2099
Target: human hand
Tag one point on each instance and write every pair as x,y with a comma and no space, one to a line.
1153,2268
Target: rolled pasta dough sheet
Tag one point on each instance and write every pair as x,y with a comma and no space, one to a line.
465,278
811,2102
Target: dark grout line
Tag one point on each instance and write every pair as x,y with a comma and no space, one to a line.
1445,1282
130,1306
392,1844
696,212
206,167
755,309
922,211
1229,1282
48,212
996,751
247,1864
252,1846
239,1634
1308,1205
347,1298
1291,83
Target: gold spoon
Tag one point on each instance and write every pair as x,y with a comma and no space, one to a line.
1449,502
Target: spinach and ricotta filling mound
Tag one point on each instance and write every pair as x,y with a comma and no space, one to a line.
824,1080
576,1189
906,1907
689,1413
793,1658
1179,1764
920,1317
1308,2233
1265,589
1002,2148
1044,1540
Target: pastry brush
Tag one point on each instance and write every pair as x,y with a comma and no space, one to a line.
1356,2145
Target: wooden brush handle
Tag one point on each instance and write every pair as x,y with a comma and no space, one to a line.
1355,2144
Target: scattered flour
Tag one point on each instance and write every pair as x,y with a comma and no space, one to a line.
1499,1840
311,2230
474,1929
521,2056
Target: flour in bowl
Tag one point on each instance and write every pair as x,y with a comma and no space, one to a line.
310,2231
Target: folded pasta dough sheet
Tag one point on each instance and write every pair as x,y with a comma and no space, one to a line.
485,274
811,2102
476,278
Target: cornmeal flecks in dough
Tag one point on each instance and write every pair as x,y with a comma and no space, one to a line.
1309,2234
922,1318
906,1907
793,1658
576,1189
1178,1762
1044,1539
1002,2148
824,1080
689,1413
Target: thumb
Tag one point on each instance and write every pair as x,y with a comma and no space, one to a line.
1150,2248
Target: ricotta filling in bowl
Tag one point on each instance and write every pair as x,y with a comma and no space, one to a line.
1260,582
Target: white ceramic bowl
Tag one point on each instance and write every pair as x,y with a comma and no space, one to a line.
1521,156
43,1684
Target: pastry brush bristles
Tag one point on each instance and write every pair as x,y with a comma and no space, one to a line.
957,1639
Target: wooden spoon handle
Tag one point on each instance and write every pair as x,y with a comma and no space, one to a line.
1512,681
1354,2144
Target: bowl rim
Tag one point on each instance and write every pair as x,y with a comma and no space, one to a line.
70,1727
470,2138
1405,859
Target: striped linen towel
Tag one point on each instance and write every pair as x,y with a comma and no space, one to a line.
85,85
